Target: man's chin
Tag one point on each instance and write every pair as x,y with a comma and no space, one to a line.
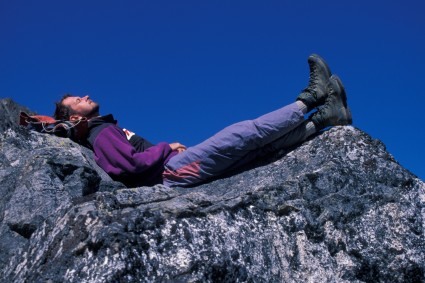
95,111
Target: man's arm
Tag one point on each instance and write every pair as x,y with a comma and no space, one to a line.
116,156
178,147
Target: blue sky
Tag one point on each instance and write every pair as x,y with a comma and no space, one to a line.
182,70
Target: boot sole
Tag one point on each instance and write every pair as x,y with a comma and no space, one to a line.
349,116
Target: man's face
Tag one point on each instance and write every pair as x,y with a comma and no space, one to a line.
82,106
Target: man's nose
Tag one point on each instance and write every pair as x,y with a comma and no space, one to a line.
86,97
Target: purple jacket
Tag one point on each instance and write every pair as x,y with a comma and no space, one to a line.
133,161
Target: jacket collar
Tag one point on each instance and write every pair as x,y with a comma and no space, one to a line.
96,121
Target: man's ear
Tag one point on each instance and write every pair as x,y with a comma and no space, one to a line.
75,117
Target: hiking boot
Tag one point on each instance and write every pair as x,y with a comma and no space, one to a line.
315,93
335,111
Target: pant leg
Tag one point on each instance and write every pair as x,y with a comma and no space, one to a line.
296,136
230,146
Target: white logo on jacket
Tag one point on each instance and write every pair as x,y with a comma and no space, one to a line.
128,134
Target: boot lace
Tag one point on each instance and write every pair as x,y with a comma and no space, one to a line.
312,83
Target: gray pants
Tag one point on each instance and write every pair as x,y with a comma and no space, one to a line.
236,145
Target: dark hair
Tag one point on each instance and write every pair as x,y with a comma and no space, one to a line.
62,112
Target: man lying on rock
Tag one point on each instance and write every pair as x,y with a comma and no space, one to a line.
134,161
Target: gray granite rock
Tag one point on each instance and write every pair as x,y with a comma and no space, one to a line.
9,113
338,208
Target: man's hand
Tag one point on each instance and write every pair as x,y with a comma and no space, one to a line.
177,146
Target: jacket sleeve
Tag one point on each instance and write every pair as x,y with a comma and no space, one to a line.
116,155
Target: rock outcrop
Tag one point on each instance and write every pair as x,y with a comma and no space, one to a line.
338,208
9,113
